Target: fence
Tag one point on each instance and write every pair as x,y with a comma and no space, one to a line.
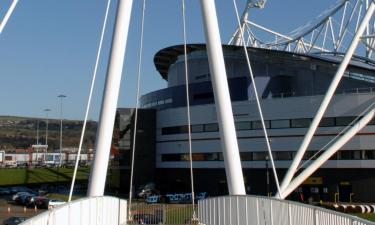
86,211
176,214
252,210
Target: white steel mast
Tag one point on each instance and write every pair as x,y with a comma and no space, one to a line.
110,97
327,98
224,112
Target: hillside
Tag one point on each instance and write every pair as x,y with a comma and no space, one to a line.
21,132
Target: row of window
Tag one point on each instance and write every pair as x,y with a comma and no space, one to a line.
257,125
277,155
158,102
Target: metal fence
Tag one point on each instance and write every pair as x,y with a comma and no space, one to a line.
86,211
253,210
176,214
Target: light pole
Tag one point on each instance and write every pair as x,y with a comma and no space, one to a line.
46,141
267,177
37,141
61,113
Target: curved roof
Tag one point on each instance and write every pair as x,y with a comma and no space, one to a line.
166,57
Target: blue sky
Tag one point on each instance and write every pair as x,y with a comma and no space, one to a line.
49,47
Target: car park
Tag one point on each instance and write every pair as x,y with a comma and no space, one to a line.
14,220
17,189
4,191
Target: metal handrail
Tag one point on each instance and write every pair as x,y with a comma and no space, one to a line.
101,210
246,210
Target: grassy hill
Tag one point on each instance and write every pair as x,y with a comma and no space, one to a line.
21,132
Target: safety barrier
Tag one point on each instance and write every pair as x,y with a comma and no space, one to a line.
254,210
102,210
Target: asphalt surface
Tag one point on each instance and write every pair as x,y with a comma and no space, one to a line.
9,209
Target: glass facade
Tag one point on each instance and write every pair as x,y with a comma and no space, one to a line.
277,155
257,125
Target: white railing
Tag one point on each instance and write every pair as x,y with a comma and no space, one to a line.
102,210
254,210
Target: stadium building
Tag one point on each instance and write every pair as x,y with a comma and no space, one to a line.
291,85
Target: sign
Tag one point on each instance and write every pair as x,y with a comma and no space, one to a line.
313,180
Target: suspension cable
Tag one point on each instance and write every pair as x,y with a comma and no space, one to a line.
136,105
7,15
89,101
188,108
257,98
337,136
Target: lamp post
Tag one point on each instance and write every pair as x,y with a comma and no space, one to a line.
46,141
37,141
61,113
267,177
47,111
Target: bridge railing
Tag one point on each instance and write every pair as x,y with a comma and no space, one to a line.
254,210
102,210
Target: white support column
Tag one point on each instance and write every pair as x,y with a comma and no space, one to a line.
7,15
327,98
109,103
327,154
228,136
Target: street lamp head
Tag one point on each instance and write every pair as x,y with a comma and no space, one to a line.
61,96
47,110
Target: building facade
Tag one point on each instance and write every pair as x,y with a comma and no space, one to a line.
292,87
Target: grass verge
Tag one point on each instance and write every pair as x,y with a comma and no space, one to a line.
40,175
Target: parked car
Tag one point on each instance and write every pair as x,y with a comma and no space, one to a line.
10,164
18,194
147,190
40,202
55,202
23,165
17,189
144,218
22,199
4,191
14,220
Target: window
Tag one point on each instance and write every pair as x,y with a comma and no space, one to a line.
161,102
211,127
198,156
309,155
201,96
216,156
280,124
372,122
327,122
300,123
344,121
197,128
243,125
170,157
259,156
357,155
346,155
168,100
200,77
246,156
174,130
283,156
257,125
369,154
